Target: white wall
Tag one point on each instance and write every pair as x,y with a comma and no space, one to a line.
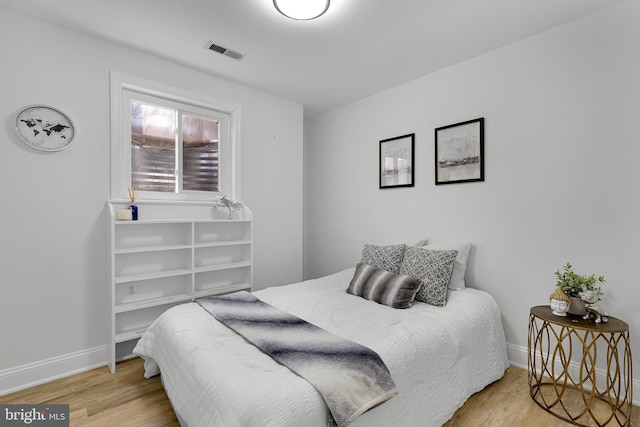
54,296
561,116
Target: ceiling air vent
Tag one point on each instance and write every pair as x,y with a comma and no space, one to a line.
224,51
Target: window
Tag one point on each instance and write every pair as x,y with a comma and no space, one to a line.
174,148
171,145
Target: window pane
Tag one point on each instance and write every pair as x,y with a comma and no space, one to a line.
200,156
153,148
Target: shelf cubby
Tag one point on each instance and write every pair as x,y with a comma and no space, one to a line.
159,263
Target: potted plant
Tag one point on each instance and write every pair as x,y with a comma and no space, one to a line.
226,203
572,284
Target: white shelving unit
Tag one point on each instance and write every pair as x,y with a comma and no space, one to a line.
158,263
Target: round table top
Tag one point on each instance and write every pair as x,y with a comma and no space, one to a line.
613,325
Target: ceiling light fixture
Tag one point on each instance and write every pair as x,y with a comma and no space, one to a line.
301,10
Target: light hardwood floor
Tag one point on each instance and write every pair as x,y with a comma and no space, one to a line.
99,398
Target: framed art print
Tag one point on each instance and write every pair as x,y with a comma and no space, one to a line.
460,152
396,161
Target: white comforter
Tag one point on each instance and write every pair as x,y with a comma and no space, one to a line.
437,357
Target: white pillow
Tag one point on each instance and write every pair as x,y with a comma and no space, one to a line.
460,265
420,243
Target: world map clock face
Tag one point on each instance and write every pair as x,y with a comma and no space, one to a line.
44,128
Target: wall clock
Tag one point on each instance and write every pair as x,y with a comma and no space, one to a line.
44,128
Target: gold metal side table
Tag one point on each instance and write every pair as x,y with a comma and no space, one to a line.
578,391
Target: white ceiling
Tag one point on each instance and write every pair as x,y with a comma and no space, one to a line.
358,48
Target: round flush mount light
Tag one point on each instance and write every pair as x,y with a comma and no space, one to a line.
302,10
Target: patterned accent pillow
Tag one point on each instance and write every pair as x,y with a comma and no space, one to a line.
383,287
433,268
456,281
385,257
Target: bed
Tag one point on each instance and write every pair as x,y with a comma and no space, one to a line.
437,356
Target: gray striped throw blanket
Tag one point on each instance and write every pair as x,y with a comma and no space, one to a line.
351,377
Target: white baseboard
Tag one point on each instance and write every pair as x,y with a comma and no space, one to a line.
32,374
518,356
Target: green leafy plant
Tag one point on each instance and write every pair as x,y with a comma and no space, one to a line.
572,283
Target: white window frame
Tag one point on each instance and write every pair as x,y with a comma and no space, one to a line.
124,88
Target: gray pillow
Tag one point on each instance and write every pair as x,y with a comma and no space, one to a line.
383,287
433,268
385,257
